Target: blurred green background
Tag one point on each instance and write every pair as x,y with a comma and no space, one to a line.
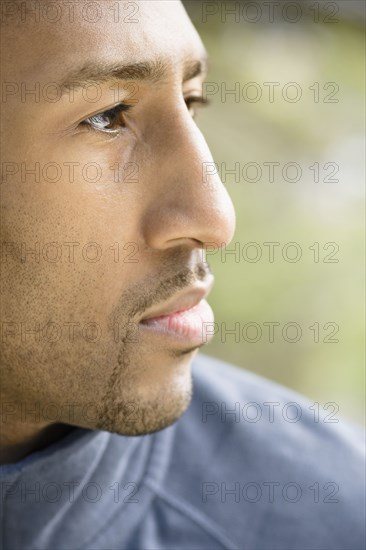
325,45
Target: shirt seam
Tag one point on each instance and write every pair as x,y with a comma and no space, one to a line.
194,514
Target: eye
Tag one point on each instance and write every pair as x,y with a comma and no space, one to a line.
193,102
110,121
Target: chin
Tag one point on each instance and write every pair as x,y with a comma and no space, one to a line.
150,418
151,404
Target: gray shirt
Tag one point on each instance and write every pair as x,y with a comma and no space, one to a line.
250,465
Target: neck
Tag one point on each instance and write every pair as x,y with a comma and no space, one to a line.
17,442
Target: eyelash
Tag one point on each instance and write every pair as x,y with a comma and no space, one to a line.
198,100
95,121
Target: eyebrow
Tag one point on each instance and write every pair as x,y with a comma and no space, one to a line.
97,72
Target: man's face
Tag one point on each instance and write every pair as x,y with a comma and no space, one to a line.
116,210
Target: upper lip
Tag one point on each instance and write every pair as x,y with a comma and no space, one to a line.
182,300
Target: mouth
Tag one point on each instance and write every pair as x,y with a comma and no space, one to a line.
185,317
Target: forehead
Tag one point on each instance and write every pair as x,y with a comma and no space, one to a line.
108,31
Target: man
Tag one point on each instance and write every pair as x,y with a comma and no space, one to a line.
104,224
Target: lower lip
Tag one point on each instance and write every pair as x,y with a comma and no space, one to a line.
194,325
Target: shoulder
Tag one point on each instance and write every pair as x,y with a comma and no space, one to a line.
267,463
226,394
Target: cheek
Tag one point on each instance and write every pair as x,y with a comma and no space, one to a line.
70,218
62,263
67,248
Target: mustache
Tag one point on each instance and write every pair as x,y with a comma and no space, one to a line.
145,294
167,288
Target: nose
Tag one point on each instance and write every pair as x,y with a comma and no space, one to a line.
190,205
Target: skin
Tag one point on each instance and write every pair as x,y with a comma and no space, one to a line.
129,383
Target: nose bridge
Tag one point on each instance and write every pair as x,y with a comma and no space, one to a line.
193,149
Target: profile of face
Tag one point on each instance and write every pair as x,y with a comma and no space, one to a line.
105,217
